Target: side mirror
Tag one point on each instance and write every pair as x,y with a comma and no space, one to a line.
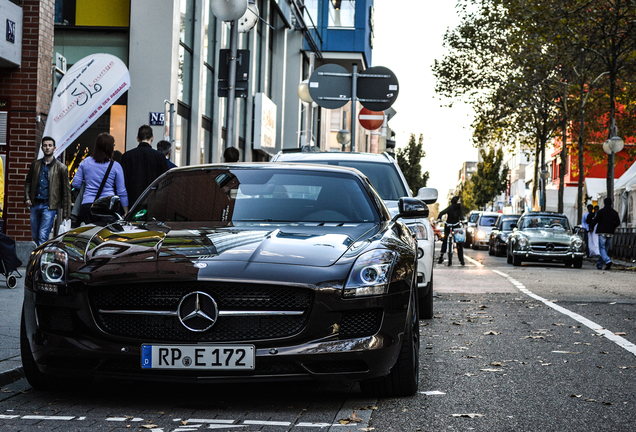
411,208
107,207
428,195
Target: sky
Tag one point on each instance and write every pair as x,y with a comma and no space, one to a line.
408,39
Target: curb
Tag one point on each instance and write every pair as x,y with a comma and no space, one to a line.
12,375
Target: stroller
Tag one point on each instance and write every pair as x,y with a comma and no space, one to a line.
9,261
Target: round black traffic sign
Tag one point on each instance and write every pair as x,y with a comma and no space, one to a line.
330,86
378,88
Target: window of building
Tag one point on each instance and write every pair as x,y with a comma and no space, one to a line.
310,14
342,13
185,51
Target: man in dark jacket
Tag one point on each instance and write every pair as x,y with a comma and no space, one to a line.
142,165
453,215
606,221
47,192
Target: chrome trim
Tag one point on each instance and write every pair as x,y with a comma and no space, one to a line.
221,313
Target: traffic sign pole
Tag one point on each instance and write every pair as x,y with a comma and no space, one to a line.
354,89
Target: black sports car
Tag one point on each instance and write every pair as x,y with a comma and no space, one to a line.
231,272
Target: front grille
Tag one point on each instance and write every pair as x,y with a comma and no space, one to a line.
547,247
360,323
54,319
228,296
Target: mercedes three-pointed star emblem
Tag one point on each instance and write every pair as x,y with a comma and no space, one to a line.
198,311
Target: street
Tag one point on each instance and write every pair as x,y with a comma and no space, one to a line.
539,347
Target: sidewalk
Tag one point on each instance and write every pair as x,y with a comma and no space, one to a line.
10,309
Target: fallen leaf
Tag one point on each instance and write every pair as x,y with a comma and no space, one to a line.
4,390
456,323
590,400
497,364
582,343
491,332
490,370
565,352
471,415
600,367
149,426
607,403
575,396
621,334
546,364
368,407
534,337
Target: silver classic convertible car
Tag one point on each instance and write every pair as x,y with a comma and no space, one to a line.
545,236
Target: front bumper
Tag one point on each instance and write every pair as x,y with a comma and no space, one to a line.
80,349
530,255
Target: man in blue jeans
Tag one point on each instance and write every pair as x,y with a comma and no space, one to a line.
606,221
47,190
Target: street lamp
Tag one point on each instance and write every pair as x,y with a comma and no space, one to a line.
303,92
612,146
343,137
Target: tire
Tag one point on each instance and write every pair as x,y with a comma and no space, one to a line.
426,301
508,257
475,246
403,380
516,261
491,251
12,281
450,250
568,263
578,263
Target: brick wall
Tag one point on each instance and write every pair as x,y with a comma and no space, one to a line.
28,90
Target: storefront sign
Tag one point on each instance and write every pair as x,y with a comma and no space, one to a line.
11,44
157,119
87,90
264,124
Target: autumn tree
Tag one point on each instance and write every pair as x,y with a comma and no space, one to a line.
490,179
409,159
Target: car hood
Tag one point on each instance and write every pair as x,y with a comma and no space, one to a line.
284,244
539,235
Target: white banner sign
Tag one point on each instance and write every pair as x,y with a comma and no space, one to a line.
87,90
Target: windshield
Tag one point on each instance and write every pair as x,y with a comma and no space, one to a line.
543,222
473,217
240,195
383,176
505,224
487,220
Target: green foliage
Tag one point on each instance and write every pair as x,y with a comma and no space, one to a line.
409,160
490,179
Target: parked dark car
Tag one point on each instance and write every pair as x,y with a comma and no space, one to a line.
499,234
547,237
223,273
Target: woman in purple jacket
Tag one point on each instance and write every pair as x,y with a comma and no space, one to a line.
92,171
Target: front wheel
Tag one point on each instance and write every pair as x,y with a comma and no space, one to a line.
403,380
516,261
578,263
491,250
450,249
426,301
508,257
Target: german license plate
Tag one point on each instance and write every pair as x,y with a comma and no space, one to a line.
208,357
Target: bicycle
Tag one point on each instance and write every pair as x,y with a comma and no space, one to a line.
456,235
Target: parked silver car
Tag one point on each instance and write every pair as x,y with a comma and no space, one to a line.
483,227
545,236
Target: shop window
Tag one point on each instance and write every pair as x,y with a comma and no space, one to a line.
342,13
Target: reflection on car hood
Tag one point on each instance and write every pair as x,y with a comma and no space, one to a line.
539,235
284,244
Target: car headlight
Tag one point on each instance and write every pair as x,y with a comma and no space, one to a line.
371,274
522,241
503,237
419,231
577,243
481,234
53,269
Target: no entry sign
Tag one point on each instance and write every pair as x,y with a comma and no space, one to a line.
370,120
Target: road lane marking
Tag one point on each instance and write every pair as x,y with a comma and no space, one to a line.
622,342
477,263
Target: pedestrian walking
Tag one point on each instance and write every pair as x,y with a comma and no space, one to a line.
454,214
586,228
592,236
102,176
47,192
142,165
165,148
606,221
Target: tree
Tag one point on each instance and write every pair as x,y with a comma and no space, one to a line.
409,160
490,179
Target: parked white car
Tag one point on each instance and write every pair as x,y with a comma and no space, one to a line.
485,224
386,177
